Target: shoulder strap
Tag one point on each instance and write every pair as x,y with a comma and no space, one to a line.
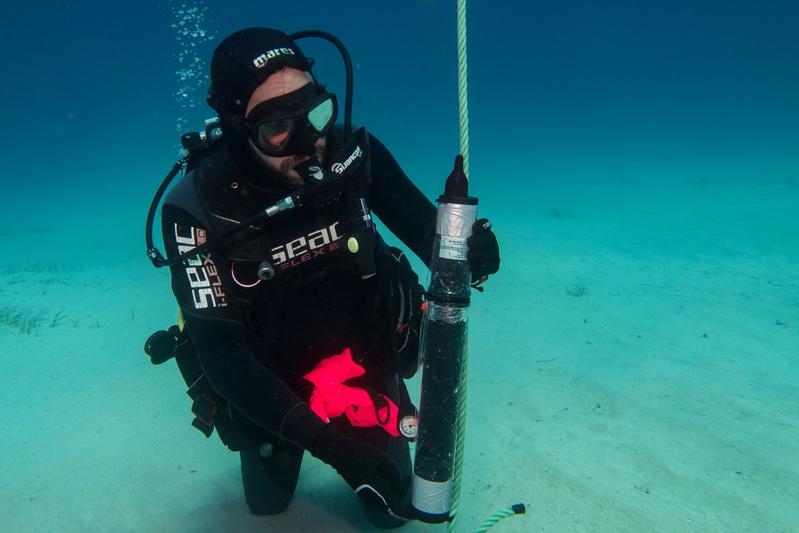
184,196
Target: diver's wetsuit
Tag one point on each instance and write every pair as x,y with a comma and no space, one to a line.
256,339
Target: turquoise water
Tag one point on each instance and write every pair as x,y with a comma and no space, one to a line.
633,364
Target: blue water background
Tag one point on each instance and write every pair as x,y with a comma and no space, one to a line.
575,107
679,89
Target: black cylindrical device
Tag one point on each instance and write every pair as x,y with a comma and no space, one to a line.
443,346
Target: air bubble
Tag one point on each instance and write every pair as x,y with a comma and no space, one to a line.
191,26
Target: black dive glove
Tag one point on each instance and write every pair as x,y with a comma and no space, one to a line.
370,473
483,254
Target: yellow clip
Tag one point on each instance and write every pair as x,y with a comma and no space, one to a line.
352,245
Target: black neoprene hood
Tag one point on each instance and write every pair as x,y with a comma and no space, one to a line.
244,59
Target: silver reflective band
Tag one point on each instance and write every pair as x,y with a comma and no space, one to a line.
454,225
431,497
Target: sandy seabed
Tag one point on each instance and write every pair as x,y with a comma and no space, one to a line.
633,367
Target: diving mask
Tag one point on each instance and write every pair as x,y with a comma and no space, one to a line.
290,124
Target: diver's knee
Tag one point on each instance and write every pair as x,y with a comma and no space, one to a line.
269,476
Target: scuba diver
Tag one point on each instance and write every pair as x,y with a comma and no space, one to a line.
298,323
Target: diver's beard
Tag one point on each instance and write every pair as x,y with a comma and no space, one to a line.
284,174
